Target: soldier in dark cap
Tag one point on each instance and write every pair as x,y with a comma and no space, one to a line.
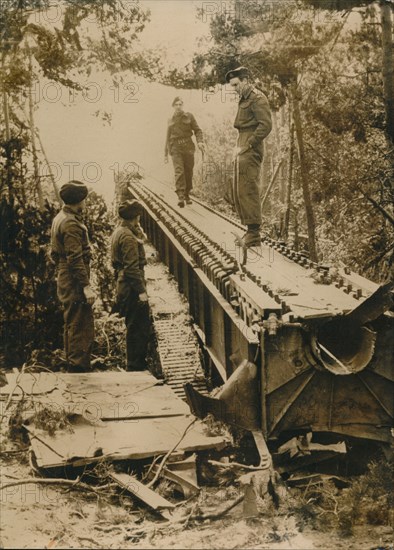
253,122
180,146
128,261
70,251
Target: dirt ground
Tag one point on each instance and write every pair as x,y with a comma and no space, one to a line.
51,517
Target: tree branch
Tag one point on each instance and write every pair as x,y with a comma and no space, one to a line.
77,484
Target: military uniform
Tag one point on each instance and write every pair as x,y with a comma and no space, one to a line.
253,122
128,260
70,251
180,146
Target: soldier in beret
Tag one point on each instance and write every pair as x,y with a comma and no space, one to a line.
180,146
253,122
128,261
70,251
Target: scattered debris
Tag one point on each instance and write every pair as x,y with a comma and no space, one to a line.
141,491
303,445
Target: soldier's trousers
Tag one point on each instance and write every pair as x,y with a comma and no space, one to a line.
183,161
137,336
78,323
138,325
246,193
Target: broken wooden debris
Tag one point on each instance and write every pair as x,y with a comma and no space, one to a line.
188,487
250,509
300,452
110,396
312,479
172,449
113,415
132,485
235,465
255,485
284,464
186,468
303,445
118,441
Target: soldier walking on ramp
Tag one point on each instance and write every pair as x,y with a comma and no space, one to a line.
253,122
180,146
128,261
70,251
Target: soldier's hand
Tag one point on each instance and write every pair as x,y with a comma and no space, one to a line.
89,295
165,160
143,297
202,148
236,152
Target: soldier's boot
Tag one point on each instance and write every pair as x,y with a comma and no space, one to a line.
252,237
181,199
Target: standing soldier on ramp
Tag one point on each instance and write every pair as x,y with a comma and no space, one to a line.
70,251
128,261
253,122
180,146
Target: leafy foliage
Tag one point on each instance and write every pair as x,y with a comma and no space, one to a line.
367,501
82,35
30,312
100,224
213,177
28,290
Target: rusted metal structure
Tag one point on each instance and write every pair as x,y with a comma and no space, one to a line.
321,339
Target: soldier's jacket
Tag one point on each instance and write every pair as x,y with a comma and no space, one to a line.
180,130
253,116
128,255
70,248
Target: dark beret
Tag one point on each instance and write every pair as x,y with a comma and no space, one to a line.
239,72
73,192
130,209
176,99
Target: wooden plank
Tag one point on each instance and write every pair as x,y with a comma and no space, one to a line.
131,439
141,491
31,384
104,395
188,487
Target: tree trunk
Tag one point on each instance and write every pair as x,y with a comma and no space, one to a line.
55,188
304,172
289,185
271,184
33,140
7,136
388,66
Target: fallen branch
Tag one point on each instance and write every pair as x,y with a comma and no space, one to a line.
180,523
153,464
167,456
77,484
234,465
19,451
10,396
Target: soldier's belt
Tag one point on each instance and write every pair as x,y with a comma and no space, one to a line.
182,141
249,129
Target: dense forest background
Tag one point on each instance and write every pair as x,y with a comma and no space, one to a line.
327,68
